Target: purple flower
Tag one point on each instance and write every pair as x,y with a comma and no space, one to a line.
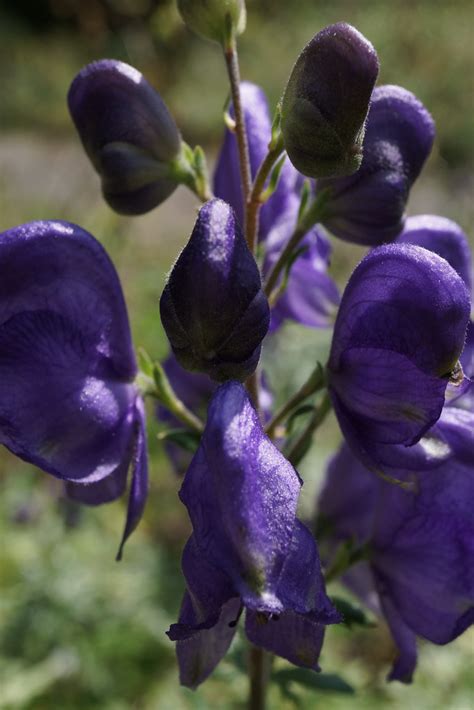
68,401
311,297
398,336
213,309
326,100
247,547
420,573
368,207
128,134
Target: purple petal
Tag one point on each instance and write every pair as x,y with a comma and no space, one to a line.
213,308
127,132
457,429
207,621
311,297
227,181
139,484
405,664
241,496
67,393
368,207
445,238
291,636
326,100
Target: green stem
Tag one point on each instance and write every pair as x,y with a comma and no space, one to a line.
299,448
167,397
311,216
254,201
232,62
259,672
315,382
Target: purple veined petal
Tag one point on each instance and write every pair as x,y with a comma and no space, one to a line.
392,400
227,181
67,361
127,132
139,483
421,547
405,299
410,309
405,639
368,206
213,308
444,237
241,496
292,636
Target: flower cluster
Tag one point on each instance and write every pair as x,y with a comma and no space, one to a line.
338,160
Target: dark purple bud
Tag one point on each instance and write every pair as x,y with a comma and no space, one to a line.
398,336
227,181
67,368
445,238
216,20
326,100
128,134
368,207
213,309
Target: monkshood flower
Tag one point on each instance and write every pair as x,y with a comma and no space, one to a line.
247,548
213,309
420,571
214,19
398,336
128,134
326,100
68,401
311,297
368,207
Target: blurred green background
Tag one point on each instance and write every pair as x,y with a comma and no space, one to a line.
77,630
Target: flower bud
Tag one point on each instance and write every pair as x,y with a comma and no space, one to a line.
128,134
326,100
214,19
213,308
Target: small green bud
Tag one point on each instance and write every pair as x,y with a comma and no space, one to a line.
326,101
217,20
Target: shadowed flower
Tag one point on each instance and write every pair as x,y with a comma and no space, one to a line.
326,100
213,309
368,207
247,548
398,336
311,297
420,569
128,134
68,401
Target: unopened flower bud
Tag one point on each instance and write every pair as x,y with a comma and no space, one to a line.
326,100
128,134
216,20
213,309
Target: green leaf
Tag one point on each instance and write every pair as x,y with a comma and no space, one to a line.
352,615
304,409
329,682
145,363
185,439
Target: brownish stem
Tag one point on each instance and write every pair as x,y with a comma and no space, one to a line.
259,671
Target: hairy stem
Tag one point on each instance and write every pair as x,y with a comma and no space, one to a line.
167,397
299,448
232,62
315,382
254,201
